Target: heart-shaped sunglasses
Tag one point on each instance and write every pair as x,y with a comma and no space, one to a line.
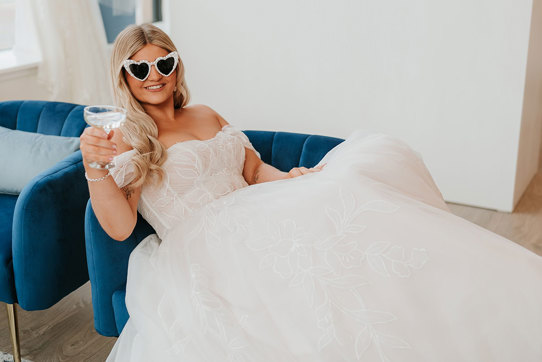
141,69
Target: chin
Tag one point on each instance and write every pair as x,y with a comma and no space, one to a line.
154,99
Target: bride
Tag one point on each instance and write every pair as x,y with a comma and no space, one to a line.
357,258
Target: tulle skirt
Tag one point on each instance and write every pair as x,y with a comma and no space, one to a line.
362,261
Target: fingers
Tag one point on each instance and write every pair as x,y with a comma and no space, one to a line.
294,172
91,155
97,136
299,171
96,146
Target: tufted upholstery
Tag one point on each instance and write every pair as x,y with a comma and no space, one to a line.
108,259
51,118
42,252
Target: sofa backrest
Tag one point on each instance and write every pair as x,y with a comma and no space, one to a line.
285,150
45,117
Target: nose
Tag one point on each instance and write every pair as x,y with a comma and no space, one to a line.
154,75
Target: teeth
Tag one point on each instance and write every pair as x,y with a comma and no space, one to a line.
155,87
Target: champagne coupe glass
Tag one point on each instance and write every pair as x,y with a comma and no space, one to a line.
106,118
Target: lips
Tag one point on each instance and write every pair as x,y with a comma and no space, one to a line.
155,87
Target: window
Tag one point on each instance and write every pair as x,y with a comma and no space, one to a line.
7,24
118,14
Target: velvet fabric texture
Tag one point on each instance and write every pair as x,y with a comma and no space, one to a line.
108,259
42,252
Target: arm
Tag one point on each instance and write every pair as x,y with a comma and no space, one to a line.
256,171
115,210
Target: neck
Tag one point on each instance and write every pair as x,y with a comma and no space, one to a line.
161,113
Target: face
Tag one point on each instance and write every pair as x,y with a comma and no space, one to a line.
140,89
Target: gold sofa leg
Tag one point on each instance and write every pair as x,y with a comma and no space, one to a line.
14,331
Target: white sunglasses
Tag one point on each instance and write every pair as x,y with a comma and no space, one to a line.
141,69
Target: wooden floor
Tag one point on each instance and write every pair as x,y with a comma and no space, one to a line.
65,332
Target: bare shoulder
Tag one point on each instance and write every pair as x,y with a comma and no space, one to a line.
201,108
118,139
206,109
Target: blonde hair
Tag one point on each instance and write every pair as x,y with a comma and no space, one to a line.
140,130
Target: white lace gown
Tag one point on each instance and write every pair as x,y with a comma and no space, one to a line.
362,261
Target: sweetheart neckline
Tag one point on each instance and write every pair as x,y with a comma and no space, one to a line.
178,143
196,140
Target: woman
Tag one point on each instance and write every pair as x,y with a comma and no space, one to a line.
357,260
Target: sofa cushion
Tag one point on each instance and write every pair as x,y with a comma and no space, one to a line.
29,155
7,206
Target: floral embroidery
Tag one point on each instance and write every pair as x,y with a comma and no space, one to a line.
197,173
338,261
216,320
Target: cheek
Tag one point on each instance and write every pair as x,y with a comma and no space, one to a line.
173,84
135,87
132,83
173,77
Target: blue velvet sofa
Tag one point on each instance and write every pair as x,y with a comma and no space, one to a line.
42,242
108,259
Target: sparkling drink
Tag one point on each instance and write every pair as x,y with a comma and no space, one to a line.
106,118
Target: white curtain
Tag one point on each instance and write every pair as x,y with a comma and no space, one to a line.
75,59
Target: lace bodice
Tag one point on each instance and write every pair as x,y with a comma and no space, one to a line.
196,173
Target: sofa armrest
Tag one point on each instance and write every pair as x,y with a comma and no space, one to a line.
107,261
48,235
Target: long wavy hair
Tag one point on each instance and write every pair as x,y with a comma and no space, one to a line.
140,130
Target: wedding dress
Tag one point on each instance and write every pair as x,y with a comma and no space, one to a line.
362,261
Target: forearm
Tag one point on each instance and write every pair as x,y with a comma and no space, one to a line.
265,173
111,206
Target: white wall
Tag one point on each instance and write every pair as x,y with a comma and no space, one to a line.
448,77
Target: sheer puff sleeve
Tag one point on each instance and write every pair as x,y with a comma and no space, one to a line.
124,170
230,129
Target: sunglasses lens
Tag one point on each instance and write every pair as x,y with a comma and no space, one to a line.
139,71
165,66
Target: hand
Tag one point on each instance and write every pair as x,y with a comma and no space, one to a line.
96,145
299,171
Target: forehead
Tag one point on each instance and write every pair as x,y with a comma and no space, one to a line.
149,52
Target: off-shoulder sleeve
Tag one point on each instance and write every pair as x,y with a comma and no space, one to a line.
241,136
124,170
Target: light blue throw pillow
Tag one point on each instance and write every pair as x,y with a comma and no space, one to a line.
24,155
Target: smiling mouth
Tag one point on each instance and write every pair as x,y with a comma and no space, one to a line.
155,87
